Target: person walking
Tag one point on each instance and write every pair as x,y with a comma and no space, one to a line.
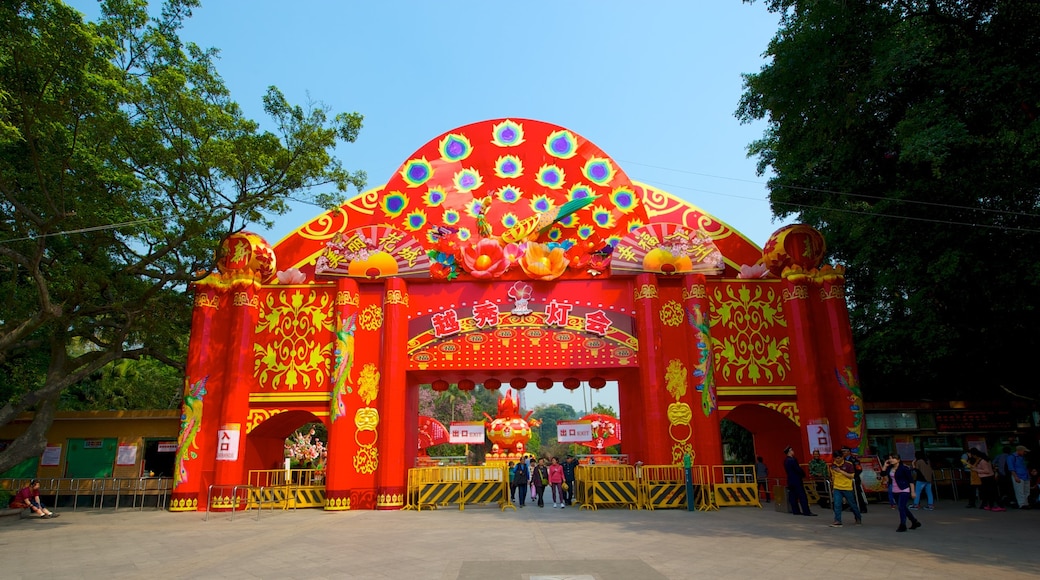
924,480
520,479
988,494
569,466
795,484
903,489
540,478
556,481
762,476
843,478
1016,466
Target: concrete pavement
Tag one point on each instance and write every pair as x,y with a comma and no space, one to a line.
532,543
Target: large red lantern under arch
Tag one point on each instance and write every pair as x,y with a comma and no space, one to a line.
492,384
466,385
544,383
518,383
597,382
440,385
571,383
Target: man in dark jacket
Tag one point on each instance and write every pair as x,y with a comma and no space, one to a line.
795,486
568,477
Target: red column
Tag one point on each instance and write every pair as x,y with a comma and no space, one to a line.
845,399
392,477
200,409
707,434
656,398
234,414
342,446
811,407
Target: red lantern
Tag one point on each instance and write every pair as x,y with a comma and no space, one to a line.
571,383
518,383
492,384
466,385
440,385
544,383
597,382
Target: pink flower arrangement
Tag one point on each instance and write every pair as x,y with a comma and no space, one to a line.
485,259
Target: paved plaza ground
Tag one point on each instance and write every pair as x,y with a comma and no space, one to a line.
485,543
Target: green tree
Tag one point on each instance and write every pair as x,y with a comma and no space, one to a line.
907,132
123,162
604,410
549,415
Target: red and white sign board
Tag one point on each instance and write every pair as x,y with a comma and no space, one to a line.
167,447
573,431
466,432
819,438
227,443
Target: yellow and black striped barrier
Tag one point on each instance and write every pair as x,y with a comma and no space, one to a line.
432,487
735,485
607,486
663,486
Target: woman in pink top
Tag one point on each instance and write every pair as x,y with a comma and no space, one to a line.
556,481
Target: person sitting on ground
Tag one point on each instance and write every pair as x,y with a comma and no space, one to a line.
29,497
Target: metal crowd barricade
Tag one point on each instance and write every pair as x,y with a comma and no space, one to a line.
661,486
735,485
607,486
159,487
431,487
703,488
232,502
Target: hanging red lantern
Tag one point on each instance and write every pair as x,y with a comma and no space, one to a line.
571,383
518,383
466,385
440,385
544,383
597,382
492,384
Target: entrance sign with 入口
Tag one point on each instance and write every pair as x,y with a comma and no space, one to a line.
227,443
574,431
466,432
819,438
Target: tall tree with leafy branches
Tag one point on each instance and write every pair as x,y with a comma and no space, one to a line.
907,132
123,162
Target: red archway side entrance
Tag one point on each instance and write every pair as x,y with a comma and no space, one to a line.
505,248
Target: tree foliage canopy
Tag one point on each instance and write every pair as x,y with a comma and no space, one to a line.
123,162
907,132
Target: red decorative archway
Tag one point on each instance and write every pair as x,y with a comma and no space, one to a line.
518,249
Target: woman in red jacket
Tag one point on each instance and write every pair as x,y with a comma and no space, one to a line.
556,481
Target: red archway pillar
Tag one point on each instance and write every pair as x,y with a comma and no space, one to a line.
392,477
845,399
707,432
204,372
655,395
234,414
803,357
342,447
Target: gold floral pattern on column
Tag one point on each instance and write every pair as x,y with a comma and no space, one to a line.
371,317
297,350
672,314
366,419
679,413
748,352
646,291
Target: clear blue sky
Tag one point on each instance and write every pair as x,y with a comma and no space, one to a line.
654,84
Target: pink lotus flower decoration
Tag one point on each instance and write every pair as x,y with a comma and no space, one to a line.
485,259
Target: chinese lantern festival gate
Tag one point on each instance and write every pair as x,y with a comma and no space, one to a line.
508,248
